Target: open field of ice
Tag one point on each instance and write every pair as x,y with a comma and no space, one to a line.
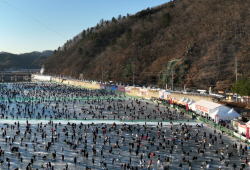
41,123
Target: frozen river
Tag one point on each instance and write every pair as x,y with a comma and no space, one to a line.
94,129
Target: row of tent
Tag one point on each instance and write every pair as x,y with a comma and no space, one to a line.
211,109
186,101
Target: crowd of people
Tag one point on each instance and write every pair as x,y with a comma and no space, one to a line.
40,131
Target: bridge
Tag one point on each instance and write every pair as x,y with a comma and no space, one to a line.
15,76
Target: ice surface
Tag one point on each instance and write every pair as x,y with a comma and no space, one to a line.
36,144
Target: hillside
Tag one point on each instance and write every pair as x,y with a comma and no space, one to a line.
196,40
33,60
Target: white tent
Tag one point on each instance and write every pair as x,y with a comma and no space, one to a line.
212,109
182,100
192,107
174,100
224,113
191,102
210,106
233,113
248,123
187,100
221,115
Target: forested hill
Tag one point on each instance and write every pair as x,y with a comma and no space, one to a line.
33,60
196,40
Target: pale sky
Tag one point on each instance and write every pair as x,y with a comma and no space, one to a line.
38,25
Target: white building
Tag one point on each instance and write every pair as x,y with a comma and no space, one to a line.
211,109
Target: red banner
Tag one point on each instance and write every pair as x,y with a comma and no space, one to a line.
247,132
121,88
201,108
103,86
217,119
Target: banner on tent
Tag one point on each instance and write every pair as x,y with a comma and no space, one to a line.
161,93
128,89
167,95
144,92
121,88
243,129
114,88
93,83
103,86
201,108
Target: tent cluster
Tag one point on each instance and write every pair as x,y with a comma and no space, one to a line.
210,109
185,101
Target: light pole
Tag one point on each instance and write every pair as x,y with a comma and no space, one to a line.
133,78
172,79
102,75
236,76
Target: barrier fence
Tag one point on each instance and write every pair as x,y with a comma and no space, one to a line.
20,99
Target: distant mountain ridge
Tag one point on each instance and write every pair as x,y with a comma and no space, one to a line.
32,60
192,43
